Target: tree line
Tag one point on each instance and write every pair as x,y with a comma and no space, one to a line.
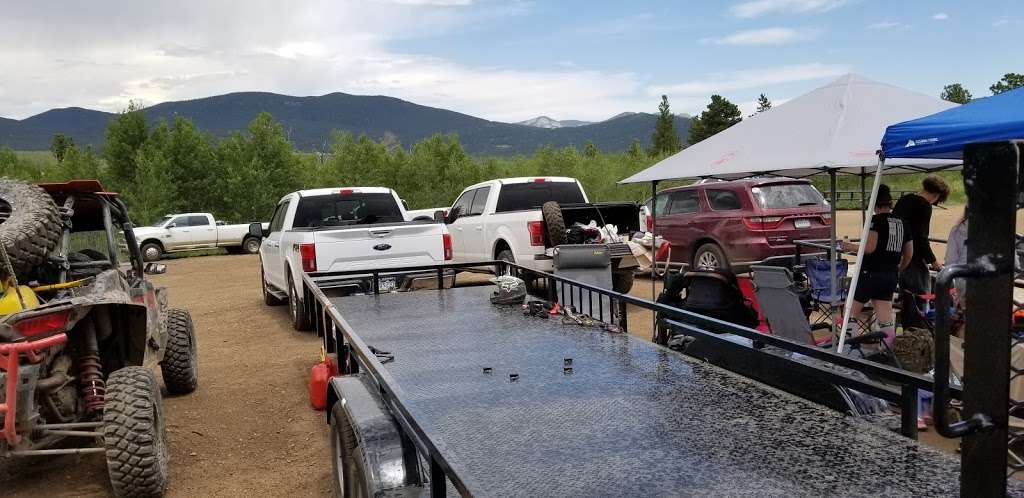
956,93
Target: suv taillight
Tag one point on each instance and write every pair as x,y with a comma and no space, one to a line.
650,223
447,240
536,229
42,324
826,218
307,252
762,222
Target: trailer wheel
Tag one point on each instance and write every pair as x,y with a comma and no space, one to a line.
300,318
347,470
179,367
133,433
553,219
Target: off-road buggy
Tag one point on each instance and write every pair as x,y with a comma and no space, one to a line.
81,332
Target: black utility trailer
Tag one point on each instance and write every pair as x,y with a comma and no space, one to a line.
442,392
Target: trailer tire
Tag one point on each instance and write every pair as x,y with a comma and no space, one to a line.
297,309
29,226
134,433
180,367
622,281
349,476
554,222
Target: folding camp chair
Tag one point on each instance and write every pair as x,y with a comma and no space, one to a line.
780,304
820,277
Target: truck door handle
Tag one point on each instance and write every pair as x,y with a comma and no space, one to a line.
380,233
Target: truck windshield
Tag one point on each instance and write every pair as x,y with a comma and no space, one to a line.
346,209
532,195
787,195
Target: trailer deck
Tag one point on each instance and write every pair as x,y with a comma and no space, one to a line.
630,418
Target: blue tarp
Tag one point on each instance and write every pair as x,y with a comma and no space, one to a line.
943,135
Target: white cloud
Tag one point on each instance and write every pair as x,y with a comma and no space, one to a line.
1005,20
888,25
758,8
754,78
940,16
187,50
766,36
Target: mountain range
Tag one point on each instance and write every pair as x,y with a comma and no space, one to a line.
309,121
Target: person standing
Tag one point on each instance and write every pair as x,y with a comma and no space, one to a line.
888,250
916,212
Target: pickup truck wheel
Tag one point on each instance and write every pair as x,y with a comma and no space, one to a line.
506,256
133,433
151,251
268,298
555,223
251,245
300,319
179,367
622,281
710,256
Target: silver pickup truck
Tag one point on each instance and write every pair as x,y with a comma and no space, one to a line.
193,231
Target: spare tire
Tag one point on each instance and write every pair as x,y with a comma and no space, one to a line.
29,226
553,220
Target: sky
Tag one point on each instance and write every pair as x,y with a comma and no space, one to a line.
504,60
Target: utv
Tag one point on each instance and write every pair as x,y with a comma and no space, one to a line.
81,332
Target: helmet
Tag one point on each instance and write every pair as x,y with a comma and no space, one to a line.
511,290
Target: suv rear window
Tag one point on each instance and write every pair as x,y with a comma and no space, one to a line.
349,209
532,195
787,195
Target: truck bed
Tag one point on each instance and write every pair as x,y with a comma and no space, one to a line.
632,418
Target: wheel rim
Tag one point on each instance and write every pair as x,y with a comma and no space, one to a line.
252,246
707,260
152,253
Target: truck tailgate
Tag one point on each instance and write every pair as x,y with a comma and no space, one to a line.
379,246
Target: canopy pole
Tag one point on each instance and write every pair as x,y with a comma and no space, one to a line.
863,207
654,254
848,306
832,253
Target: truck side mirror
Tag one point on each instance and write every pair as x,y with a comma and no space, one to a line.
256,230
453,215
439,216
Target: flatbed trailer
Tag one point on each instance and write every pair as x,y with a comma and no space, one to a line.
440,392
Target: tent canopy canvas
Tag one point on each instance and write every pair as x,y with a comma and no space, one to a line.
944,134
836,127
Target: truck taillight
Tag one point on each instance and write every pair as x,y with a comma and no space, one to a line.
447,239
650,223
536,229
307,252
539,180
346,191
762,222
42,324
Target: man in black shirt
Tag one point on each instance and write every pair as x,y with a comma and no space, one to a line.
887,251
916,212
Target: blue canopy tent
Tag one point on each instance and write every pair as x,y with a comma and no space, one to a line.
942,136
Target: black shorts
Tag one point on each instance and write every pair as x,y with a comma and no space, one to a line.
875,285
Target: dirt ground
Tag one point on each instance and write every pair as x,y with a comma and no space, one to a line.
248,430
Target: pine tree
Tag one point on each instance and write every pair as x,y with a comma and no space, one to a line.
60,145
590,150
719,115
763,104
955,92
1008,82
636,150
665,140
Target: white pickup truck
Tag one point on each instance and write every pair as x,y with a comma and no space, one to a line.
193,231
504,219
343,229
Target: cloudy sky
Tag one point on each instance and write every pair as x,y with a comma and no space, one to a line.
504,60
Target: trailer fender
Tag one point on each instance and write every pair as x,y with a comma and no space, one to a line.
371,456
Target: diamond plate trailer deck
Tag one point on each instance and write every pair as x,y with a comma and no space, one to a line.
630,419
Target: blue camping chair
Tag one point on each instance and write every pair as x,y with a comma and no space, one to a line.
819,277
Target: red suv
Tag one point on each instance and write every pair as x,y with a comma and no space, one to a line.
732,224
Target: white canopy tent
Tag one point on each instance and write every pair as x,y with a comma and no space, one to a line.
834,129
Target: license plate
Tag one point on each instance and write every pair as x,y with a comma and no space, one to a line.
802,223
387,284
